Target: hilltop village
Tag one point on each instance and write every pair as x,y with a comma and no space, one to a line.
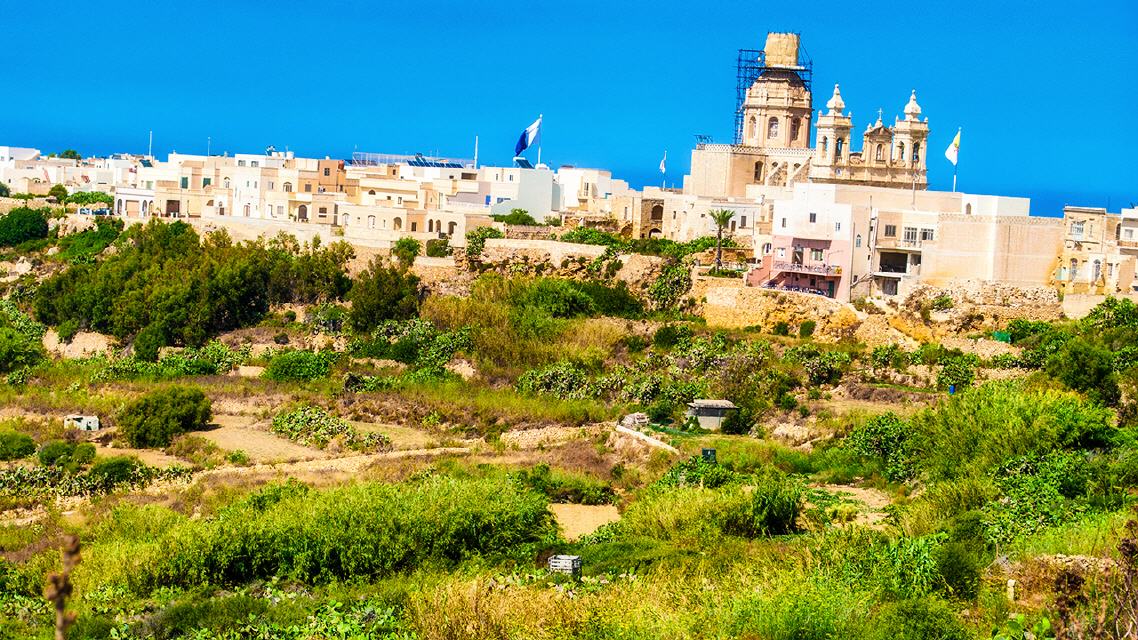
804,396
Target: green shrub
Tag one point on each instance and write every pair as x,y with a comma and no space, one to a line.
563,487
776,502
476,239
115,470
438,248
958,372
781,329
354,533
18,351
563,380
382,293
919,619
313,426
157,417
14,446
406,249
55,452
670,335
67,330
555,297
806,329
516,217
22,224
661,411
697,472
888,438
1087,368
299,365
959,566
942,302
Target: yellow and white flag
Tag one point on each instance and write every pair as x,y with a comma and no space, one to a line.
953,149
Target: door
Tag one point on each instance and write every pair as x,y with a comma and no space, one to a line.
830,288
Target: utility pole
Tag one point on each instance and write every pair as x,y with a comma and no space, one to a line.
150,145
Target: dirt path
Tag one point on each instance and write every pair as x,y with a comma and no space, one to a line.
343,465
578,520
246,433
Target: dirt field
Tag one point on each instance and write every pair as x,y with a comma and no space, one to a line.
577,520
402,438
252,436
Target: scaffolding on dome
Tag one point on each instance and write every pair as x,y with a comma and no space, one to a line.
749,65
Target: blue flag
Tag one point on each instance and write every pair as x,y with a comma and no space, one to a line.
529,137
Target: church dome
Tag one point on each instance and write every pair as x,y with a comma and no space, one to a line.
835,103
912,110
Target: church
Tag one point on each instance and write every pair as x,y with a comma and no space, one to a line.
773,136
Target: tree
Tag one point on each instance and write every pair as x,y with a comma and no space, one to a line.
4,190
70,154
721,218
157,417
382,293
22,224
517,217
405,250
17,350
59,192
1088,368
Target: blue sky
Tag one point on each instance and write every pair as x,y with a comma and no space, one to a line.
1045,91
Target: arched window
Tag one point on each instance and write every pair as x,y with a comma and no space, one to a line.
758,172
118,208
772,127
753,130
1097,272
825,144
371,222
901,151
916,152
795,125
302,212
371,192
246,210
451,227
430,226
398,225
288,187
857,241
879,155
766,248
968,209
226,181
838,148
1074,269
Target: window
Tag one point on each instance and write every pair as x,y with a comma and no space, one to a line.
795,125
838,146
784,223
890,231
816,255
323,211
743,221
206,182
241,163
926,234
766,248
857,241
371,192
327,171
910,234
398,224
371,222
901,151
825,145
185,183
772,127
916,152
880,153
1077,229
414,226
1128,234
837,226
226,183
754,128
758,172
813,218
782,252
308,187
288,187
254,163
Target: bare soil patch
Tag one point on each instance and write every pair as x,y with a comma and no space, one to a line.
247,434
578,520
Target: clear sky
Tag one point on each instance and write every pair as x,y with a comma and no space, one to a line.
1046,91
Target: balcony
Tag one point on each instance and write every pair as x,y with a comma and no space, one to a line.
811,269
899,243
898,270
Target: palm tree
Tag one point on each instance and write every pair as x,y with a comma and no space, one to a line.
721,218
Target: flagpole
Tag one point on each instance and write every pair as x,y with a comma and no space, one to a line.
540,117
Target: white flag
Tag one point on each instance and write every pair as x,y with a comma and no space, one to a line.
664,162
953,149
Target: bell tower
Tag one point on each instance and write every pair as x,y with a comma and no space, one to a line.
832,140
910,136
777,107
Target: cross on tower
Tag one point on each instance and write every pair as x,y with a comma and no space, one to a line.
879,114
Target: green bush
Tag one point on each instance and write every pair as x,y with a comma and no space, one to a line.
919,619
776,502
115,470
299,365
382,293
887,438
1087,368
67,330
476,239
353,533
18,350
157,417
438,248
55,451
806,329
315,427
670,335
959,566
406,249
22,224
958,372
563,487
14,446
781,329
516,217
556,298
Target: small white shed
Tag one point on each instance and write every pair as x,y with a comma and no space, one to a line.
82,423
710,413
